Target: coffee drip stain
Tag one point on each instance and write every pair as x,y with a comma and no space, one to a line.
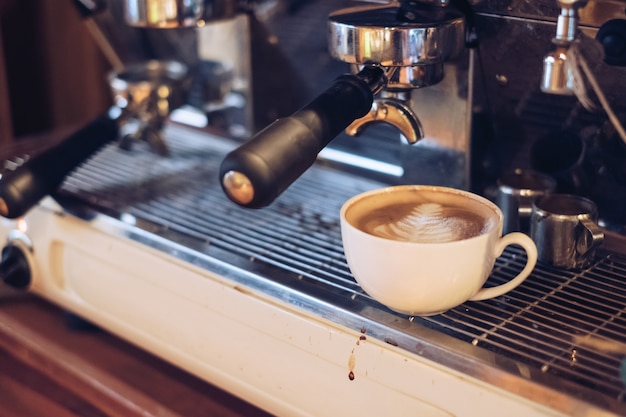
351,363
352,358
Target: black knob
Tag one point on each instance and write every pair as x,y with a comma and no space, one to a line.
612,36
14,268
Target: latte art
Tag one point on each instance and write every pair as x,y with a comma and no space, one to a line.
424,223
458,237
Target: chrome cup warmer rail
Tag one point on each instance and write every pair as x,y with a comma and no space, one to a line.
561,331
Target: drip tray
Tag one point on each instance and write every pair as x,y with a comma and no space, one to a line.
565,330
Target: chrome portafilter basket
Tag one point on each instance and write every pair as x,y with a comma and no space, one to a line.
411,43
147,93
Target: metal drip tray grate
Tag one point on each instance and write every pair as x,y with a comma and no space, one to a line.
554,322
563,325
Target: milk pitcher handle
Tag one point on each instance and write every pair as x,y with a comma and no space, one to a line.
514,238
590,236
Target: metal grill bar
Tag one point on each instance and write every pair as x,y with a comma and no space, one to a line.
552,306
536,325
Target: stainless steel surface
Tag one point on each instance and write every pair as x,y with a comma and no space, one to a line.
163,13
137,84
424,47
147,93
527,342
557,77
517,190
392,109
374,34
176,13
565,230
567,21
558,74
491,95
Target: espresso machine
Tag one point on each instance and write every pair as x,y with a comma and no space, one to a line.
217,246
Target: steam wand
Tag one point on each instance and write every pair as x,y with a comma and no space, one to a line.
560,67
557,77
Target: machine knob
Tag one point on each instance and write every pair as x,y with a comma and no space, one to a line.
14,267
612,36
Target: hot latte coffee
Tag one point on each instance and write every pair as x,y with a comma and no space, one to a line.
421,250
423,218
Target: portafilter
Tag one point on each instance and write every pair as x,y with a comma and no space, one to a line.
146,93
392,49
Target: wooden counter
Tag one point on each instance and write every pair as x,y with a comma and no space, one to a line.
49,368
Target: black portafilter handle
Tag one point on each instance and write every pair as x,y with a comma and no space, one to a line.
41,175
257,172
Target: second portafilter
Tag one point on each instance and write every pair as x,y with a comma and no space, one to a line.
145,93
557,76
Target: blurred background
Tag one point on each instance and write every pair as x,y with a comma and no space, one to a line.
52,74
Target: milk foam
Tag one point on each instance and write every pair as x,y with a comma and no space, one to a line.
429,223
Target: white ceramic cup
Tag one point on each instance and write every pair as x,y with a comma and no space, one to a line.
423,265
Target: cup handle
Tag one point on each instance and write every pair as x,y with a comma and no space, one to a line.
591,236
528,245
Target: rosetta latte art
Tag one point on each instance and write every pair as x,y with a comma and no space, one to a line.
430,223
